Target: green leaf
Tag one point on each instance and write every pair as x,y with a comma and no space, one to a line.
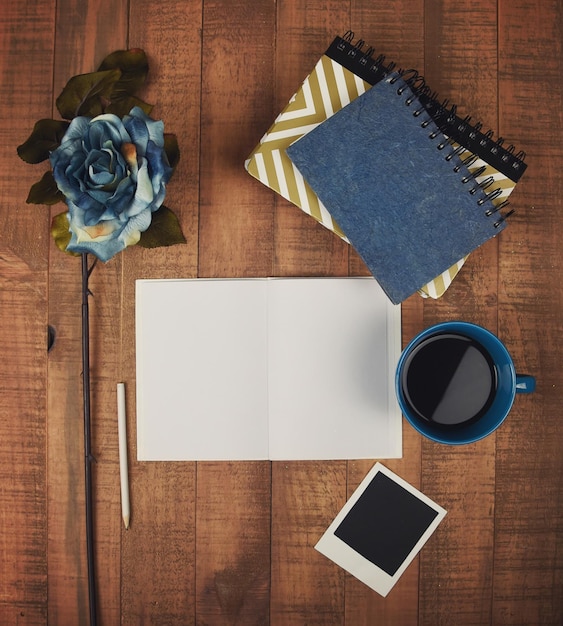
164,230
45,191
61,233
45,137
172,149
134,67
122,106
87,94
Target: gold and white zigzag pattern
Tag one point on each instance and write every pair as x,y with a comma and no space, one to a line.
327,89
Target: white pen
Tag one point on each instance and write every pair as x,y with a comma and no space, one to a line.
123,470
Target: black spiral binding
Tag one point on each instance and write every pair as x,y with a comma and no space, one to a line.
417,88
458,130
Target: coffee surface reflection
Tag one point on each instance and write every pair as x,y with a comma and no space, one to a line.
449,379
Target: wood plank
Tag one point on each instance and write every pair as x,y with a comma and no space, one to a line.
26,72
402,42
105,310
307,588
68,596
23,504
23,510
235,221
80,47
158,563
456,564
233,549
159,549
305,495
302,246
528,578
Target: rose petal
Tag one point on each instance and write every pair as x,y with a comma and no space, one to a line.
76,130
144,194
131,233
154,128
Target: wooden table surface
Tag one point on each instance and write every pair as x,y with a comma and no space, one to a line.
232,543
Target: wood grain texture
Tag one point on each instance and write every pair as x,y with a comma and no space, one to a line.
233,543
306,587
528,580
23,514
235,101
233,551
25,50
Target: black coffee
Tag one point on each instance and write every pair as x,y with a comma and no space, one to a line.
449,379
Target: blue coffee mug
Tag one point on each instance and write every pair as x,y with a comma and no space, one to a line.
508,385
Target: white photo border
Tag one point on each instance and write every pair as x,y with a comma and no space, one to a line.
352,561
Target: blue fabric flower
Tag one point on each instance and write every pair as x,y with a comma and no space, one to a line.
113,174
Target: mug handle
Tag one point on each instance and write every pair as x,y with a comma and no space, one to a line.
525,384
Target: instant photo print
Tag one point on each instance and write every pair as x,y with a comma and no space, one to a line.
381,529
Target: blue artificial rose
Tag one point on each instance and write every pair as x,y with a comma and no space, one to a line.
113,174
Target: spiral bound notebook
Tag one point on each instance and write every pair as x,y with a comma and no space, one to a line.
343,73
396,186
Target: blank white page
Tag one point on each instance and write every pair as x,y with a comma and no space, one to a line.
202,383
296,368
332,351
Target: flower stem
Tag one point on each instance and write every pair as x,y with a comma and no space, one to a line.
88,457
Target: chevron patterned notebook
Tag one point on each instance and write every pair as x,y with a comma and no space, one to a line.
342,74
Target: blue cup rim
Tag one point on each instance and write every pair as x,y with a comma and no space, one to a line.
473,432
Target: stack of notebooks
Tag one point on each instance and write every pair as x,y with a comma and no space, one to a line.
372,154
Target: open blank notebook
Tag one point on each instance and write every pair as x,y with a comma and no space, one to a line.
269,368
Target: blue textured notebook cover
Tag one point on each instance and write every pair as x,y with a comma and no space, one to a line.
397,198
